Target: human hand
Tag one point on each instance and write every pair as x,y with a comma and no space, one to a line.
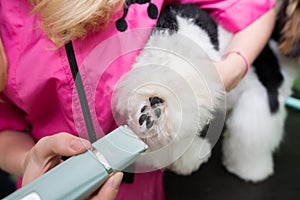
47,153
110,188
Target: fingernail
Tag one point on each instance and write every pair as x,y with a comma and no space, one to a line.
79,144
117,178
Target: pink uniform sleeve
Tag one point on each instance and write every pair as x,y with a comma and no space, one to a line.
234,15
11,117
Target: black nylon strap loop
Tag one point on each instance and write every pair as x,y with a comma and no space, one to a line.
128,177
81,93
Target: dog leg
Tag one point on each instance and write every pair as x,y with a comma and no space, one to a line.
253,133
195,155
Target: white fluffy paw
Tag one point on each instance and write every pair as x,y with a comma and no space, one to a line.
250,165
150,121
253,171
197,154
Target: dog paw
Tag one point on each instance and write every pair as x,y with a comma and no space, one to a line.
197,154
151,113
249,165
254,171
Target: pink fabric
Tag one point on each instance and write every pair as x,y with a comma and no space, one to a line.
234,15
39,92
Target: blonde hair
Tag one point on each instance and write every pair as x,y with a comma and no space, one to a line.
290,33
65,20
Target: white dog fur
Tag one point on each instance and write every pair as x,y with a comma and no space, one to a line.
252,132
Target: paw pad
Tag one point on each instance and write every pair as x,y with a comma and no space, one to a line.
155,101
151,112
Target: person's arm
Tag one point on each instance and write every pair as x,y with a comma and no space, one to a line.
250,41
14,147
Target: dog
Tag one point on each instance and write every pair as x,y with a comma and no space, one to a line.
169,101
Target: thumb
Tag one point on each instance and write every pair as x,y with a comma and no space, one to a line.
110,188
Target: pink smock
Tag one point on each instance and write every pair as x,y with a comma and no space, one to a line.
39,92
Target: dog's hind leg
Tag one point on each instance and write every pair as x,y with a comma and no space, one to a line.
194,156
253,133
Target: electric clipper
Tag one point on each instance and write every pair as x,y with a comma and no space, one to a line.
81,175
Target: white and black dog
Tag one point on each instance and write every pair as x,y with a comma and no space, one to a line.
166,99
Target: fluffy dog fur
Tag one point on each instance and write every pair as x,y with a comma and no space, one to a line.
160,108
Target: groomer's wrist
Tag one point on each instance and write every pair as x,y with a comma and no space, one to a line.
238,55
231,69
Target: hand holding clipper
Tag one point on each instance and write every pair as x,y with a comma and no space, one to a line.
81,175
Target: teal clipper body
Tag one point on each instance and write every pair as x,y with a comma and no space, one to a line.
81,175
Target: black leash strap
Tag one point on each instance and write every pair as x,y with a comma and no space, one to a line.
128,177
81,93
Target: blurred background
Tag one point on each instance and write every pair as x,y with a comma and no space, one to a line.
213,182
6,184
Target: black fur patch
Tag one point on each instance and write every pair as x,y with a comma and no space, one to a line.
204,131
268,71
167,20
276,31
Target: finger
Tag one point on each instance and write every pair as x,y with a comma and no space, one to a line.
110,189
63,144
